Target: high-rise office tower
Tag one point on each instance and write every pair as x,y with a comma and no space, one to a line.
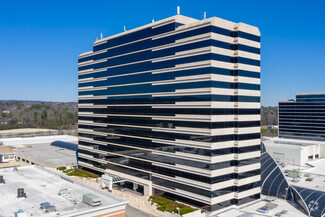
303,118
173,108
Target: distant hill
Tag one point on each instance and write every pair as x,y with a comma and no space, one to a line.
31,101
269,115
34,114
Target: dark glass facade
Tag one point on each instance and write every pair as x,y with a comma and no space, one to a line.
303,118
174,103
273,182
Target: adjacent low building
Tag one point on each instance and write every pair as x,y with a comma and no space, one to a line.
19,142
275,184
48,155
34,191
296,152
48,151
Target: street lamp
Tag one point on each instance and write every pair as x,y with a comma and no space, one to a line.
178,210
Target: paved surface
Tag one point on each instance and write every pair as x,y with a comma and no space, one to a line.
133,212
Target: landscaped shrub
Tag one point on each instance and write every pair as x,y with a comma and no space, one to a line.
185,210
82,173
170,209
160,202
161,208
170,205
61,168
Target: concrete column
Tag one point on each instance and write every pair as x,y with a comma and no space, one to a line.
135,186
147,190
103,184
110,184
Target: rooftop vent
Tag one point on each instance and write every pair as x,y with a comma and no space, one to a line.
20,213
91,200
50,208
2,180
44,205
21,193
63,191
47,207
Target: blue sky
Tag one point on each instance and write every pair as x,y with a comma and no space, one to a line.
41,40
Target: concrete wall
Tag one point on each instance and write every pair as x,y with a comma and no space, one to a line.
196,213
322,150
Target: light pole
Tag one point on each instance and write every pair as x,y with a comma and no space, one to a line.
178,210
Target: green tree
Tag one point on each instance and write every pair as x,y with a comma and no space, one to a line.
44,115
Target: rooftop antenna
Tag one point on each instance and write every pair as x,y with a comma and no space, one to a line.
178,10
101,35
205,15
124,29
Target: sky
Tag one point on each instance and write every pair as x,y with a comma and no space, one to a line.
40,41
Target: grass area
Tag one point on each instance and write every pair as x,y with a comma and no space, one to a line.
78,172
166,205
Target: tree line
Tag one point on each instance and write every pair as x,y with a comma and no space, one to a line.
50,115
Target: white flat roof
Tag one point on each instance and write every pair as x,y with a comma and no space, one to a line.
48,155
299,94
23,141
41,186
252,207
290,143
315,170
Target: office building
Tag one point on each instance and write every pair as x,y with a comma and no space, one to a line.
303,118
173,107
